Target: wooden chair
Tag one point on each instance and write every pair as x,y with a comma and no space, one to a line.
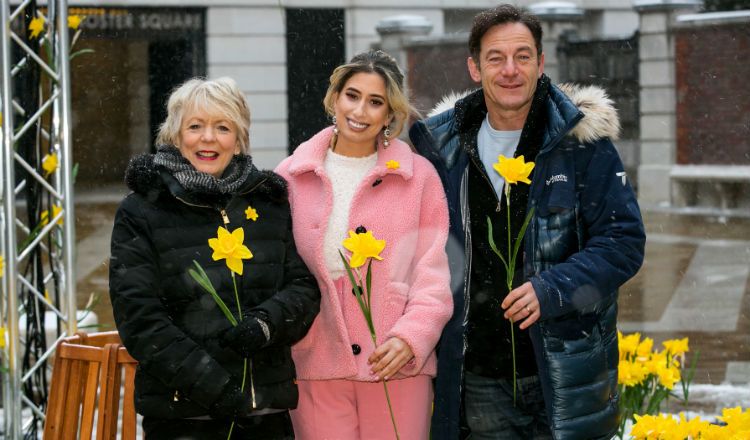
85,386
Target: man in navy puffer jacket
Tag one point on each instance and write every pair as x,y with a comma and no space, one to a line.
586,239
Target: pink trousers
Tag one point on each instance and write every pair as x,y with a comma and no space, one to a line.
352,410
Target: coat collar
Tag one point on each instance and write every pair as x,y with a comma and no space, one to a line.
310,156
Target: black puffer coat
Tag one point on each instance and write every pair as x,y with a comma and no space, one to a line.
171,325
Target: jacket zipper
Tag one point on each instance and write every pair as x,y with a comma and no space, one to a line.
225,221
498,208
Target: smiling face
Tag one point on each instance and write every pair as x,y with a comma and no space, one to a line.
208,141
508,70
362,111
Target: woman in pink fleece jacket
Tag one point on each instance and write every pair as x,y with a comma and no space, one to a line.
354,174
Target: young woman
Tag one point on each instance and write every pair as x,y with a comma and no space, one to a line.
189,382
352,176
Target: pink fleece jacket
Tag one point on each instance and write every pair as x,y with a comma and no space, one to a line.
411,297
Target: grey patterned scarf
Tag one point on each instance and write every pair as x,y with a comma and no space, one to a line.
234,176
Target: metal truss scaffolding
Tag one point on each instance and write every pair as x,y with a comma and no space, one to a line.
37,219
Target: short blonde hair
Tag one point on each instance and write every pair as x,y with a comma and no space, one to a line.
221,97
374,61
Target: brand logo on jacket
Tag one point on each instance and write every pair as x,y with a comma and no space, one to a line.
557,178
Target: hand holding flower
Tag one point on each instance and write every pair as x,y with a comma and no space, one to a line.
389,358
522,303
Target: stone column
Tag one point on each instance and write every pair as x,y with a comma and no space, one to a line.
657,96
557,18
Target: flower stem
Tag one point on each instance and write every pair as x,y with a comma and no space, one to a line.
237,297
390,408
509,280
513,352
387,396
244,361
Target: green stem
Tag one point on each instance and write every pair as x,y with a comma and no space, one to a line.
385,387
390,408
513,352
244,361
511,267
237,297
509,279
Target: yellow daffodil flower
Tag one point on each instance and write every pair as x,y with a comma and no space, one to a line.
676,347
49,164
736,419
392,165
2,337
52,213
668,376
628,344
644,348
631,373
513,169
363,246
74,21
231,247
36,27
2,265
251,213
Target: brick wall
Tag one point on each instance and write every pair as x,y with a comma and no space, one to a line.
712,69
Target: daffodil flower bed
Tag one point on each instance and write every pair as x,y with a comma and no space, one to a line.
735,425
647,377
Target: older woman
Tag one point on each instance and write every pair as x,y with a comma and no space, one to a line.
357,175
192,379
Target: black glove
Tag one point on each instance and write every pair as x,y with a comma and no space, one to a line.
232,403
247,337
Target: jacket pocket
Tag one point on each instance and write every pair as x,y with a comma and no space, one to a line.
556,228
398,296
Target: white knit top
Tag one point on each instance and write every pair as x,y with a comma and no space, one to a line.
345,173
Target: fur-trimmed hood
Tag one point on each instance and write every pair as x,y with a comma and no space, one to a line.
144,177
600,119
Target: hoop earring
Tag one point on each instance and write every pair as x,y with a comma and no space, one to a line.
386,136
335,127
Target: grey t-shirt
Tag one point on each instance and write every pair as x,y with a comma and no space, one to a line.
492,143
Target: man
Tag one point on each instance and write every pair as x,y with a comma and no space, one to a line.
585,239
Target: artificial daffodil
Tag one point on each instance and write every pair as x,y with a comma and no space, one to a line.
513,169
676,347
36,27
251,213
52,213
230,246
392,165
74,21
49,163
363,246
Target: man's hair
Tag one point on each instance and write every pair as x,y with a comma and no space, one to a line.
503,14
